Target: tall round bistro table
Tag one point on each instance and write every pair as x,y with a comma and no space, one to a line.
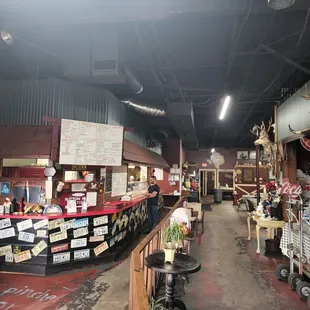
182,265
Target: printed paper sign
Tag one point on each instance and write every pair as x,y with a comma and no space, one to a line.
5,223
100,220
22,256
102,230
41,246
40,224
41,233
27,237
62,235
81,254
55,224
78,243
4,250
9,258
59,248
7,233
101,248
61,257
23,225
80,223
66,225
96,238
77,233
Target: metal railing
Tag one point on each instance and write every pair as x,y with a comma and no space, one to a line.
142,280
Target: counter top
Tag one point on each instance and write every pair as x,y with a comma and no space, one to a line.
93,212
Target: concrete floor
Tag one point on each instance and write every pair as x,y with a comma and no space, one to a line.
232,276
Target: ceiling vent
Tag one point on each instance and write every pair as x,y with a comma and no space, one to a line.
97,62
181,116
280,4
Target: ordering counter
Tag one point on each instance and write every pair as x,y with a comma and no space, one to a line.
46,244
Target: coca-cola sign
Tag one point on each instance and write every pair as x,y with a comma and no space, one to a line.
286,188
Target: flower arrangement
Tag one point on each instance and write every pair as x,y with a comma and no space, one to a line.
269,205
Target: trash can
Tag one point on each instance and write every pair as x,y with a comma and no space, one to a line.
218,195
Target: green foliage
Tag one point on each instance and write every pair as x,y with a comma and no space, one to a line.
173,234
155,306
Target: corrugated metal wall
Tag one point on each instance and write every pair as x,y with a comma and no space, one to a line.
25,102
295,111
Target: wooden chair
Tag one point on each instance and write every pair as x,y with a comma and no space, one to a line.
203,209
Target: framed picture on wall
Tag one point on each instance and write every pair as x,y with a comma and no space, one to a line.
5,188
252,154
242,155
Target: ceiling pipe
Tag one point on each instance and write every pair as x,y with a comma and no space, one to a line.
285,59
132,81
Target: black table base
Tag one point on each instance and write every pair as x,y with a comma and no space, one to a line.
169,301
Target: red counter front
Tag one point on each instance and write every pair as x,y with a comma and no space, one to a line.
45,244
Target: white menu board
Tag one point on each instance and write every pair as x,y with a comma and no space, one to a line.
84,143
119,181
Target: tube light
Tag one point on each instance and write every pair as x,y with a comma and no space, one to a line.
213,150
225,106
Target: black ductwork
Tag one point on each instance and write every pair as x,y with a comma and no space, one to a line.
181,116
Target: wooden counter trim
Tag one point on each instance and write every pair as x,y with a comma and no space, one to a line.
142,280
74,215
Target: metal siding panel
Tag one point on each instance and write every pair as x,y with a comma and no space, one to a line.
294,111
25,102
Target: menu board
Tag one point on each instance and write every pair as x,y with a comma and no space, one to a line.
248,175
84,143
119,181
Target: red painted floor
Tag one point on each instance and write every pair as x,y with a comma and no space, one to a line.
51,292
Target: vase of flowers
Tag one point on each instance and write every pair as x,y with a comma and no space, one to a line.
172,236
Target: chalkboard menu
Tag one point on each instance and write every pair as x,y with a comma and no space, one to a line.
84,143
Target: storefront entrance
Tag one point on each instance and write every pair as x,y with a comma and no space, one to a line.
207,181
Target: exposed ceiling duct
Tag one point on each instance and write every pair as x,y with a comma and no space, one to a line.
181,116
144,109
280,4
132,81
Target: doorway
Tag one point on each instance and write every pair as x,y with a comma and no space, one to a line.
207,182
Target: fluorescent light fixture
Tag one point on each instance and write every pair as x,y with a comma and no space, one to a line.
6,37
225,106
213,150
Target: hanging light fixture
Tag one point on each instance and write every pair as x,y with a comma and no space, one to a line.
280,4
6,37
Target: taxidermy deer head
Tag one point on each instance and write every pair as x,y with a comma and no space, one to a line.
262,133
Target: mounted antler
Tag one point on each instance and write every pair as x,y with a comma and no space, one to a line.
304,132
270,124
255,129
263,126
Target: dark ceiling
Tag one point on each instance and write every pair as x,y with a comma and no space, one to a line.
181,51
